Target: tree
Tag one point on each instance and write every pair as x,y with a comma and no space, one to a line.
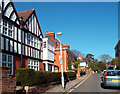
101,66
76,63
90,57
69,63
105,58
93,66
115,61
78,53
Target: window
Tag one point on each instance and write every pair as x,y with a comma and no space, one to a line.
34,42
4,30
44,44
33,64
37,43
28,38
31,40
49,67
2,42
4,58
7,60
7,29
4,23
10,33
10,26
10,59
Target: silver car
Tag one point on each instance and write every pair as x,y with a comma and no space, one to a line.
111,78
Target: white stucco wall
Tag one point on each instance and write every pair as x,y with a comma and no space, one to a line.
83,64
48,52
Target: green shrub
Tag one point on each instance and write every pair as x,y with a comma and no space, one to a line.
4,68
82,73
25,76
70,74
29,77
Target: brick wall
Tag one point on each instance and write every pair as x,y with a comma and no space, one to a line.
41,66
17,63
7,82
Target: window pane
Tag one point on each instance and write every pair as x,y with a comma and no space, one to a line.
9,58
4,64
4,23
31,62
32,40
4,58
9,33
28,39
10,26
4,30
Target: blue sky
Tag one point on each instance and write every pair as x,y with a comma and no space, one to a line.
90,27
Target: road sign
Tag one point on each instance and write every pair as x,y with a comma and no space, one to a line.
61,62
60,58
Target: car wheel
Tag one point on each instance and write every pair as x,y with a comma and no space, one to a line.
103,86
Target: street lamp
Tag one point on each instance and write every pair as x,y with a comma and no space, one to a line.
21,27
60,58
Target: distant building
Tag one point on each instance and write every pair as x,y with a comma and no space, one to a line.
117,49
16,41
48,54
83,63
65,52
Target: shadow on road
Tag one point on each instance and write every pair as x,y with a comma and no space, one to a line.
112,88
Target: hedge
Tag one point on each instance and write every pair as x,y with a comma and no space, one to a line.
4,68
29,77
82,73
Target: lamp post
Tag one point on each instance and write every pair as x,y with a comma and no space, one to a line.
21,27
60,58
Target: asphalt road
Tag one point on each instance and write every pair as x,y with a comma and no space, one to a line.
93,84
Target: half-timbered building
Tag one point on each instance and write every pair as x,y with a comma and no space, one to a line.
17,40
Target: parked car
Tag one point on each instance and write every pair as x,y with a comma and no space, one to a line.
70,71
111,78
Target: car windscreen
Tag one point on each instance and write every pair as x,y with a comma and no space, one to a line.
113,73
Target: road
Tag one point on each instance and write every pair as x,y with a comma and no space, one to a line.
92,84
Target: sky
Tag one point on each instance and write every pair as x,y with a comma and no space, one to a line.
89,27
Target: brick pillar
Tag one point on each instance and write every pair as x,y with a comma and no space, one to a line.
8,83
78,72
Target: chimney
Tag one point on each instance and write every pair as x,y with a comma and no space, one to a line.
50,35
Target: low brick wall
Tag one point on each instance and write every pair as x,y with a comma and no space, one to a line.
7,82
40,88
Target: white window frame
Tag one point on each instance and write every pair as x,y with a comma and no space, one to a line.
9,31
33,64
7,62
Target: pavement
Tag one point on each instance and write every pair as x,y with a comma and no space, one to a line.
69,85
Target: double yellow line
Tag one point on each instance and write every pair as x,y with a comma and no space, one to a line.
79,84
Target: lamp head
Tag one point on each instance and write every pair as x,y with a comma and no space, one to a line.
59,33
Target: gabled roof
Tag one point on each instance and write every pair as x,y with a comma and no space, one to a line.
117,44
25,14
